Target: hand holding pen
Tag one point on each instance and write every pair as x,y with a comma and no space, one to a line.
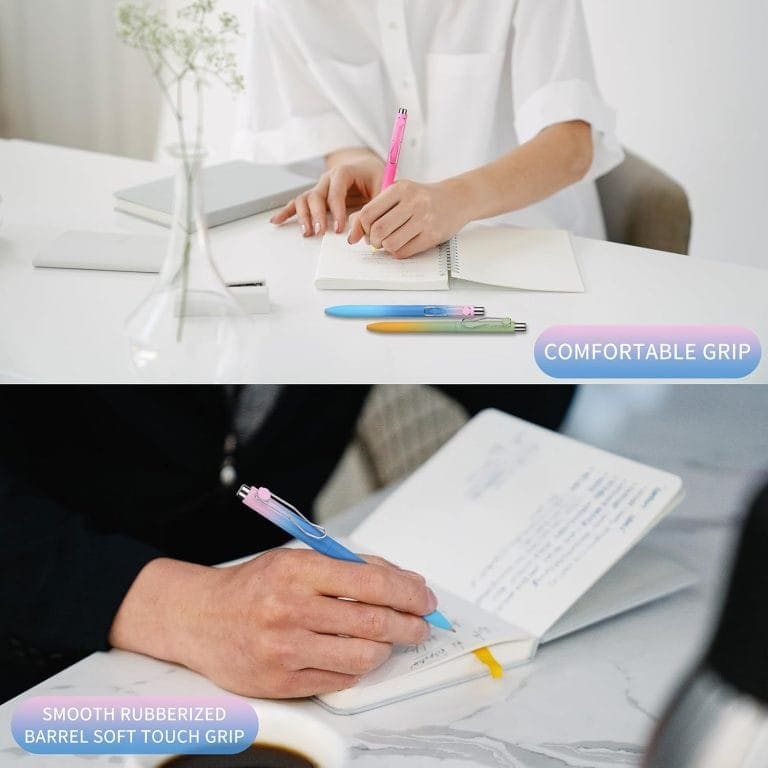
286,516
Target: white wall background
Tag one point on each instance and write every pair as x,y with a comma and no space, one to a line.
65,79
689,79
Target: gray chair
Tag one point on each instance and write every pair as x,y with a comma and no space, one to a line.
643,206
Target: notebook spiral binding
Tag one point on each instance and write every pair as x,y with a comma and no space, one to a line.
449,257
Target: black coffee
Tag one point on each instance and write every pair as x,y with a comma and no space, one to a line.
256,756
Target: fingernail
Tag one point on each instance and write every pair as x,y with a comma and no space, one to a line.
336,226
303,229
317,227
432,600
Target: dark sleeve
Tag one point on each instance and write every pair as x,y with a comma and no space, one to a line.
545,405
60,583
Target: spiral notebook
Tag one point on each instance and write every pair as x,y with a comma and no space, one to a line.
508,257
525,536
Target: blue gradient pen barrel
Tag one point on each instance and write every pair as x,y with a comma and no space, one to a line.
404,310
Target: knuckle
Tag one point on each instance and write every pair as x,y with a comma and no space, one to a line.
376,231
286,656
374,624
418,630
368,580
273,611
365,659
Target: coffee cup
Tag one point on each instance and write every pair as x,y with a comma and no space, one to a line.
283,729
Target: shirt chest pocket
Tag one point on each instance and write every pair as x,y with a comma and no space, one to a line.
462,92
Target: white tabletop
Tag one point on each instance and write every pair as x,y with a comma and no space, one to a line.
589,700
66,325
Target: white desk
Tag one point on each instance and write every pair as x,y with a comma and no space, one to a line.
66,326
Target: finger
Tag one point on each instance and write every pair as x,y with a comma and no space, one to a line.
380,204
318,205
401,237
373,584
383,561
346,655
388,224
356,231
337,198
419,243
285,213
330,616
310,682
302,212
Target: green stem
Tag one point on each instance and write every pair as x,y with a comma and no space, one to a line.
184,285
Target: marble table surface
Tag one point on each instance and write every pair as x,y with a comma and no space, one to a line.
587,700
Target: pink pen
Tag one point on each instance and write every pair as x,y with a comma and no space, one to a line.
398,132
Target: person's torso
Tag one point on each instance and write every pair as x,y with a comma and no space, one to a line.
449,63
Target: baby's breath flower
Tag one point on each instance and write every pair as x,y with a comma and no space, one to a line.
196,50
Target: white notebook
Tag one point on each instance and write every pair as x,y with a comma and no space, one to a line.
509,257
514,526
231,191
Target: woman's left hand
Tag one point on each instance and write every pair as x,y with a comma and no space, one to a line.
408,218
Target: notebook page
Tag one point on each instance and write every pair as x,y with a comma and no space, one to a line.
474,627
342,265
529,259
519,520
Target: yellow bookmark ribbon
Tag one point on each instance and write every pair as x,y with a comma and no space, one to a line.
485,655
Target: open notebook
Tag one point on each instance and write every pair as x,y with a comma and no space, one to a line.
509,257
513,525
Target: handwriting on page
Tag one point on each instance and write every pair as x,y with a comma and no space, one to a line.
562,533
363,262
501,461
474,629
442,646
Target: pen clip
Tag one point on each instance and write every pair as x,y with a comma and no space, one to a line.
318,532
284,509
495,322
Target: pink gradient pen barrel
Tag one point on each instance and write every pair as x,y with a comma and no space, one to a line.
393,156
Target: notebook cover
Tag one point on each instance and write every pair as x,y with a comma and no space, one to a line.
231,191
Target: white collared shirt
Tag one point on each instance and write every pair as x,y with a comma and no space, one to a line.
478,77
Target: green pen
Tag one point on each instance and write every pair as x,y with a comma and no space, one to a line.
466,325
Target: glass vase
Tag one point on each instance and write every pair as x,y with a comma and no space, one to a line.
189,328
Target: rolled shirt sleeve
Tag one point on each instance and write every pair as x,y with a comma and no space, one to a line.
553,78
284,116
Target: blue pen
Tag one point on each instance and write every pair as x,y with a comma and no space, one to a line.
404,310
287,517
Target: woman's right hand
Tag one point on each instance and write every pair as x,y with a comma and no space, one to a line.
273,626
353,178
